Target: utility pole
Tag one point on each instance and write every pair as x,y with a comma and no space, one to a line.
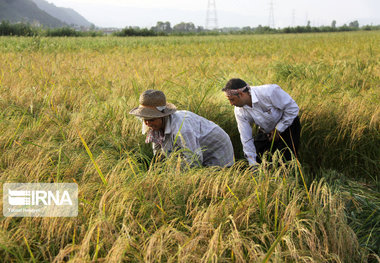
271,15
211,17
293,18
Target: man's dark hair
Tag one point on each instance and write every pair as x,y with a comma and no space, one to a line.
235,84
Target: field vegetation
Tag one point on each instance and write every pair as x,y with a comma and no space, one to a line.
64,106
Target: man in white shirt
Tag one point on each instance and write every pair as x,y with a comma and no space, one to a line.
273,110
200,141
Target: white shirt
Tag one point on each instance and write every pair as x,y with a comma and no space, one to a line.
204,142
271,108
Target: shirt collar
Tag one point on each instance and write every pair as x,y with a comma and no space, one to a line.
253,97
168,126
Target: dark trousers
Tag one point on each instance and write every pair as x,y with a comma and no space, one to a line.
288,143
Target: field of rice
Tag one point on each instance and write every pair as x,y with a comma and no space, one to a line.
64,106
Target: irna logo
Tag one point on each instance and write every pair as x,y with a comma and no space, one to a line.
17,197
40,200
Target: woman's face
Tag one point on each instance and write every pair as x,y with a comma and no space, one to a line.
155,124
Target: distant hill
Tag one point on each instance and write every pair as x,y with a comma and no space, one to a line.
67,15
26,11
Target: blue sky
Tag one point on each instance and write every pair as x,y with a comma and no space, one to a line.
230,13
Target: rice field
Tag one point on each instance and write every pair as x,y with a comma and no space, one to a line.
64,106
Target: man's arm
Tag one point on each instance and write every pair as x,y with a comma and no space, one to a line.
245,130
282,100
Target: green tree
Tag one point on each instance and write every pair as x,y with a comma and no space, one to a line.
354,24
162,27
184,27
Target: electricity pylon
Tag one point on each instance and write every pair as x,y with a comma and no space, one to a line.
211,17
271,15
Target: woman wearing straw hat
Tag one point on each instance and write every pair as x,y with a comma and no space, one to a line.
200,141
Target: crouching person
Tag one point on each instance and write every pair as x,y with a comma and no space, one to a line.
273,110
201,142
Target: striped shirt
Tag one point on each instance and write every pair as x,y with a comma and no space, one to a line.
201,141
271,108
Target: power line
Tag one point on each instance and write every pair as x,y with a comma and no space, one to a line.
211,16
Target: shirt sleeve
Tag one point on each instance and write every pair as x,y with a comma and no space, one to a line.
190,148
282,100
245,130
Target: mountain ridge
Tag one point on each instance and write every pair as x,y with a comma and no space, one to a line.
40,12
66,15
26,11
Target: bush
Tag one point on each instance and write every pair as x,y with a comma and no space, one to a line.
130,31
62,32
20,29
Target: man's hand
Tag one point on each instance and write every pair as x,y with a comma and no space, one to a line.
274,134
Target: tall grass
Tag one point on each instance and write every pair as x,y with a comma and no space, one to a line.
64,118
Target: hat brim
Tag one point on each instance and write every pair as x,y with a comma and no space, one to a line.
151,113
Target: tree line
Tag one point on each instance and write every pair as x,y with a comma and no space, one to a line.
165,29
26,29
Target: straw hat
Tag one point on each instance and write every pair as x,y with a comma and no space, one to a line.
153,105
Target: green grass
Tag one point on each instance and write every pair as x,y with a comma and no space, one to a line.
64,118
